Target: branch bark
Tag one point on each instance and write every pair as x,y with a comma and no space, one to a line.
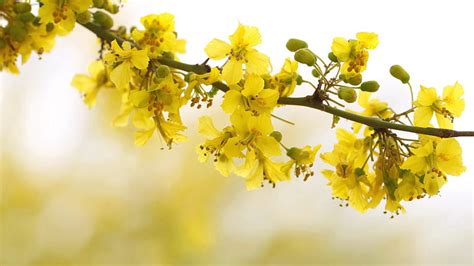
308,101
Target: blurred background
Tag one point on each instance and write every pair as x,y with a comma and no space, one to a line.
76,191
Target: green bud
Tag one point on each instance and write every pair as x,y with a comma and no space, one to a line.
103,19
294,153
21,7
27,17
17,30
359,172
122,31
399,73
305,56
84,17
355,80
315,73
370,86
277,135
349,95
3,43
49,27
299,80
333,57
113,9
294,45
162,71
168,55
98,3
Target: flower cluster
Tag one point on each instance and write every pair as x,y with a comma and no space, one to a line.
30,30
250,100
152,94
23,34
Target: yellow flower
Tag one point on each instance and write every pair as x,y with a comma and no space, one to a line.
452,99
158,36
446,108
354,53
348,155
123,61
214,145
302,159
253,133
285,81
258,168
240,52
62,13
443,156
372,107
89,86
253,97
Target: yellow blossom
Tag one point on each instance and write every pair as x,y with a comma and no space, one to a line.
285,81
446,108
239,52
89,85
62,13
354,53
123,60
253,97
159,35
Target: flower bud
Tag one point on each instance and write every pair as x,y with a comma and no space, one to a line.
355,80
399,73
168,55
294,153
162,71
305,56
98,3
27,17
277,135
370,86
21,7
333,57
113,9
315,73
299,80
349,95
84,17
103,19
359,172
294,45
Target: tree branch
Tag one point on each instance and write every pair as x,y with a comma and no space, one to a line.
308,101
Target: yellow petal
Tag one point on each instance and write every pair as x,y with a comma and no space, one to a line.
224,165
253,85
206,127
369,40
217,49
268,146
232,72
142,137
341,48
426,96
232,99
444,122
422,116
121,75
257,63
255,178
140,59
